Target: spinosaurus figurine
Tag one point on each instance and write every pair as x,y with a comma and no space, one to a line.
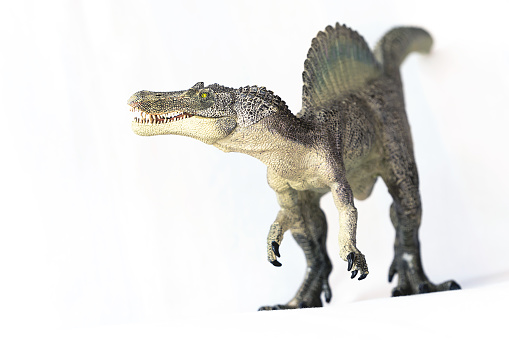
351,130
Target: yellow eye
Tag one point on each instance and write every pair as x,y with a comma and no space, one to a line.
204,95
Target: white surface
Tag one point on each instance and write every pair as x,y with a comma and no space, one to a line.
102,227
469,314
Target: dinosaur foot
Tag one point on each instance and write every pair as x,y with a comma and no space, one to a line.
423,287
307,298
412,280
356,263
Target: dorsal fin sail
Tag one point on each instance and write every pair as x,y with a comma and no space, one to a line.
339,62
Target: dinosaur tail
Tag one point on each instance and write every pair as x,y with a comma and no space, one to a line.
396,44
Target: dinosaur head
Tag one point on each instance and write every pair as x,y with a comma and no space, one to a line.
208,114
204,113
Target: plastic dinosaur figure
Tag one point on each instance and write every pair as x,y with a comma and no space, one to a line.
351,130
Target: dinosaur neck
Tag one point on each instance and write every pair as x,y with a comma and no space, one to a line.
273,140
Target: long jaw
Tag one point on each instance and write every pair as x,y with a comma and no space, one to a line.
157,118
161,123
207,130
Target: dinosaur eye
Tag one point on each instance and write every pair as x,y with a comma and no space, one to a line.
204,95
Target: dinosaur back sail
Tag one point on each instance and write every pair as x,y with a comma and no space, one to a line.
339,62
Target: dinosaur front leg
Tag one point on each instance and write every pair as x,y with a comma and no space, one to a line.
343,199
308,226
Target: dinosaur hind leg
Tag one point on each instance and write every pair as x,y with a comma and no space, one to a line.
406,217
310,233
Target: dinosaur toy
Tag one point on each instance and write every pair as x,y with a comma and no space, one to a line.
351,130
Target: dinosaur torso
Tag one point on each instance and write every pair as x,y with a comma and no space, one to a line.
299,149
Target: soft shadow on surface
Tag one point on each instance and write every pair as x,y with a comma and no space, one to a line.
485,280
478,282
378,293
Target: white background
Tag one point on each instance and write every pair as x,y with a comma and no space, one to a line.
101,227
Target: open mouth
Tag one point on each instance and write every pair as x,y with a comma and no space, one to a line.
160,118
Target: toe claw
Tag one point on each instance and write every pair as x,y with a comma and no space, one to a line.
275,248
354,274
396,292
276,263
351,259
454,286
423,288
303,305
392,272
327,291
362,277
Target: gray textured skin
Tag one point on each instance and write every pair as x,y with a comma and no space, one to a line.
352,129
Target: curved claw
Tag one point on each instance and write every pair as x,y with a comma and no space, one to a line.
354,274
362,277
424,288
275,248
396,292
327,291
448,285
351,259
392,272
328,296
454,286
276,263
